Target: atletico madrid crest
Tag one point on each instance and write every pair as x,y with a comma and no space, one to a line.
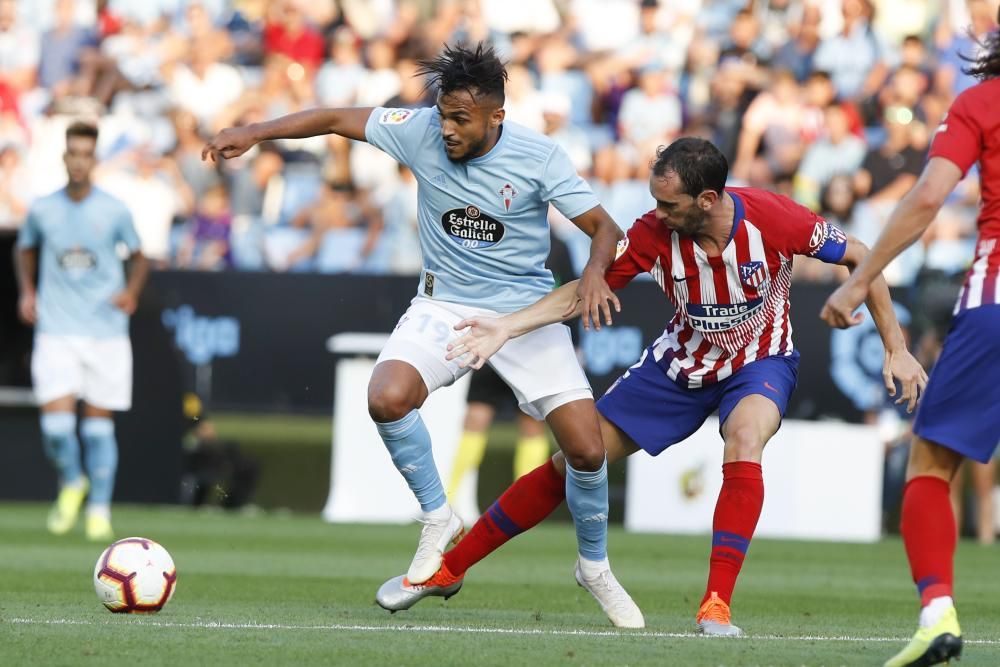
753,274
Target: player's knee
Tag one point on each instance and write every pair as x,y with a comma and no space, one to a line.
743,443
586,457
389,403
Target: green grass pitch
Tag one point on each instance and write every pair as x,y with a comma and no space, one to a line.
291,590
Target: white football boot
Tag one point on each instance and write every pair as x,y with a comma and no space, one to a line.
434,539
613,598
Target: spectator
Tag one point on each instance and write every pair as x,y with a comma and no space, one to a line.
855,58
203,86
206,245
287,33
339,79
19,50
838,152
772,127
62,48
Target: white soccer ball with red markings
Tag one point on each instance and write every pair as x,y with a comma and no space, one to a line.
135,576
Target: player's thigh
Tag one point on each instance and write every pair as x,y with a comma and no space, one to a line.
419,340
617,442
478,416
754,400
652,410
542,369
959,410
56,371
107,379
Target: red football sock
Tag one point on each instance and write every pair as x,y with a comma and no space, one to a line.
736,514
522,506
928,527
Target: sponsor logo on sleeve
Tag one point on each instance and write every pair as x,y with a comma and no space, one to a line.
470,228
395,116
818,236
622,247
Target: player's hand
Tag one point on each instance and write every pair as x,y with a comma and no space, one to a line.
902,366
229,143
26,308
125,302
597,299
838,311
483,337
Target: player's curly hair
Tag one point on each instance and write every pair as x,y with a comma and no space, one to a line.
697,162
987,65
480,72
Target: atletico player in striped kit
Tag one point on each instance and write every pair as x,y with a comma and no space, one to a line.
723,256
960,415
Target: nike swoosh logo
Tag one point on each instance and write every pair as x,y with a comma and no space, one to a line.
678,280
768,385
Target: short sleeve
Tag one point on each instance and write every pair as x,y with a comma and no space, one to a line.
958,138
564,188
398,132
635,254
29,236
126,231
805,233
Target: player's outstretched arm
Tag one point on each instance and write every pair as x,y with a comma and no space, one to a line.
26,262
484,336
907,223
593,289
899,364
235,141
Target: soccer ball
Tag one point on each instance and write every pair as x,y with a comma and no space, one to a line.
135,576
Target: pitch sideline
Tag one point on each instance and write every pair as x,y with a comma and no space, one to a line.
429,629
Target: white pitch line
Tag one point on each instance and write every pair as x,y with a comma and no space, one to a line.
221,625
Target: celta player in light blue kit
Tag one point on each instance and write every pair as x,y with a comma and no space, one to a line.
80,308
485,186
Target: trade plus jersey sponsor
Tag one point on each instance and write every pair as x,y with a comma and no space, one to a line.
730,309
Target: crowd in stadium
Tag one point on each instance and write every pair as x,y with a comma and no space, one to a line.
830,101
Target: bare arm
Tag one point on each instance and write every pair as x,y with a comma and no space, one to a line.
898,363
138,273
593,289
26,263
486,335
234,141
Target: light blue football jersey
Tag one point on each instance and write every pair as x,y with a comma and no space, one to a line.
483,224
79,269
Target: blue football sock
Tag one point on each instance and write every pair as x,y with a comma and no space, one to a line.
101,453
61,445
409,445
587,497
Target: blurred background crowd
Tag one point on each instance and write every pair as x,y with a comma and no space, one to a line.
832,102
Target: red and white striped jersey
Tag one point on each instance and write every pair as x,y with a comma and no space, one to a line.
732,309
970,133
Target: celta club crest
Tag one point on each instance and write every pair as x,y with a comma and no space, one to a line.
752,273
508,193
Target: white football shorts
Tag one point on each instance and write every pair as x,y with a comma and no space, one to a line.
541,367
97,370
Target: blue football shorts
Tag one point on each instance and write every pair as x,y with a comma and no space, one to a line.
656,412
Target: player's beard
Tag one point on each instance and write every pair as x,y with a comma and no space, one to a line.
473,151
694,222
